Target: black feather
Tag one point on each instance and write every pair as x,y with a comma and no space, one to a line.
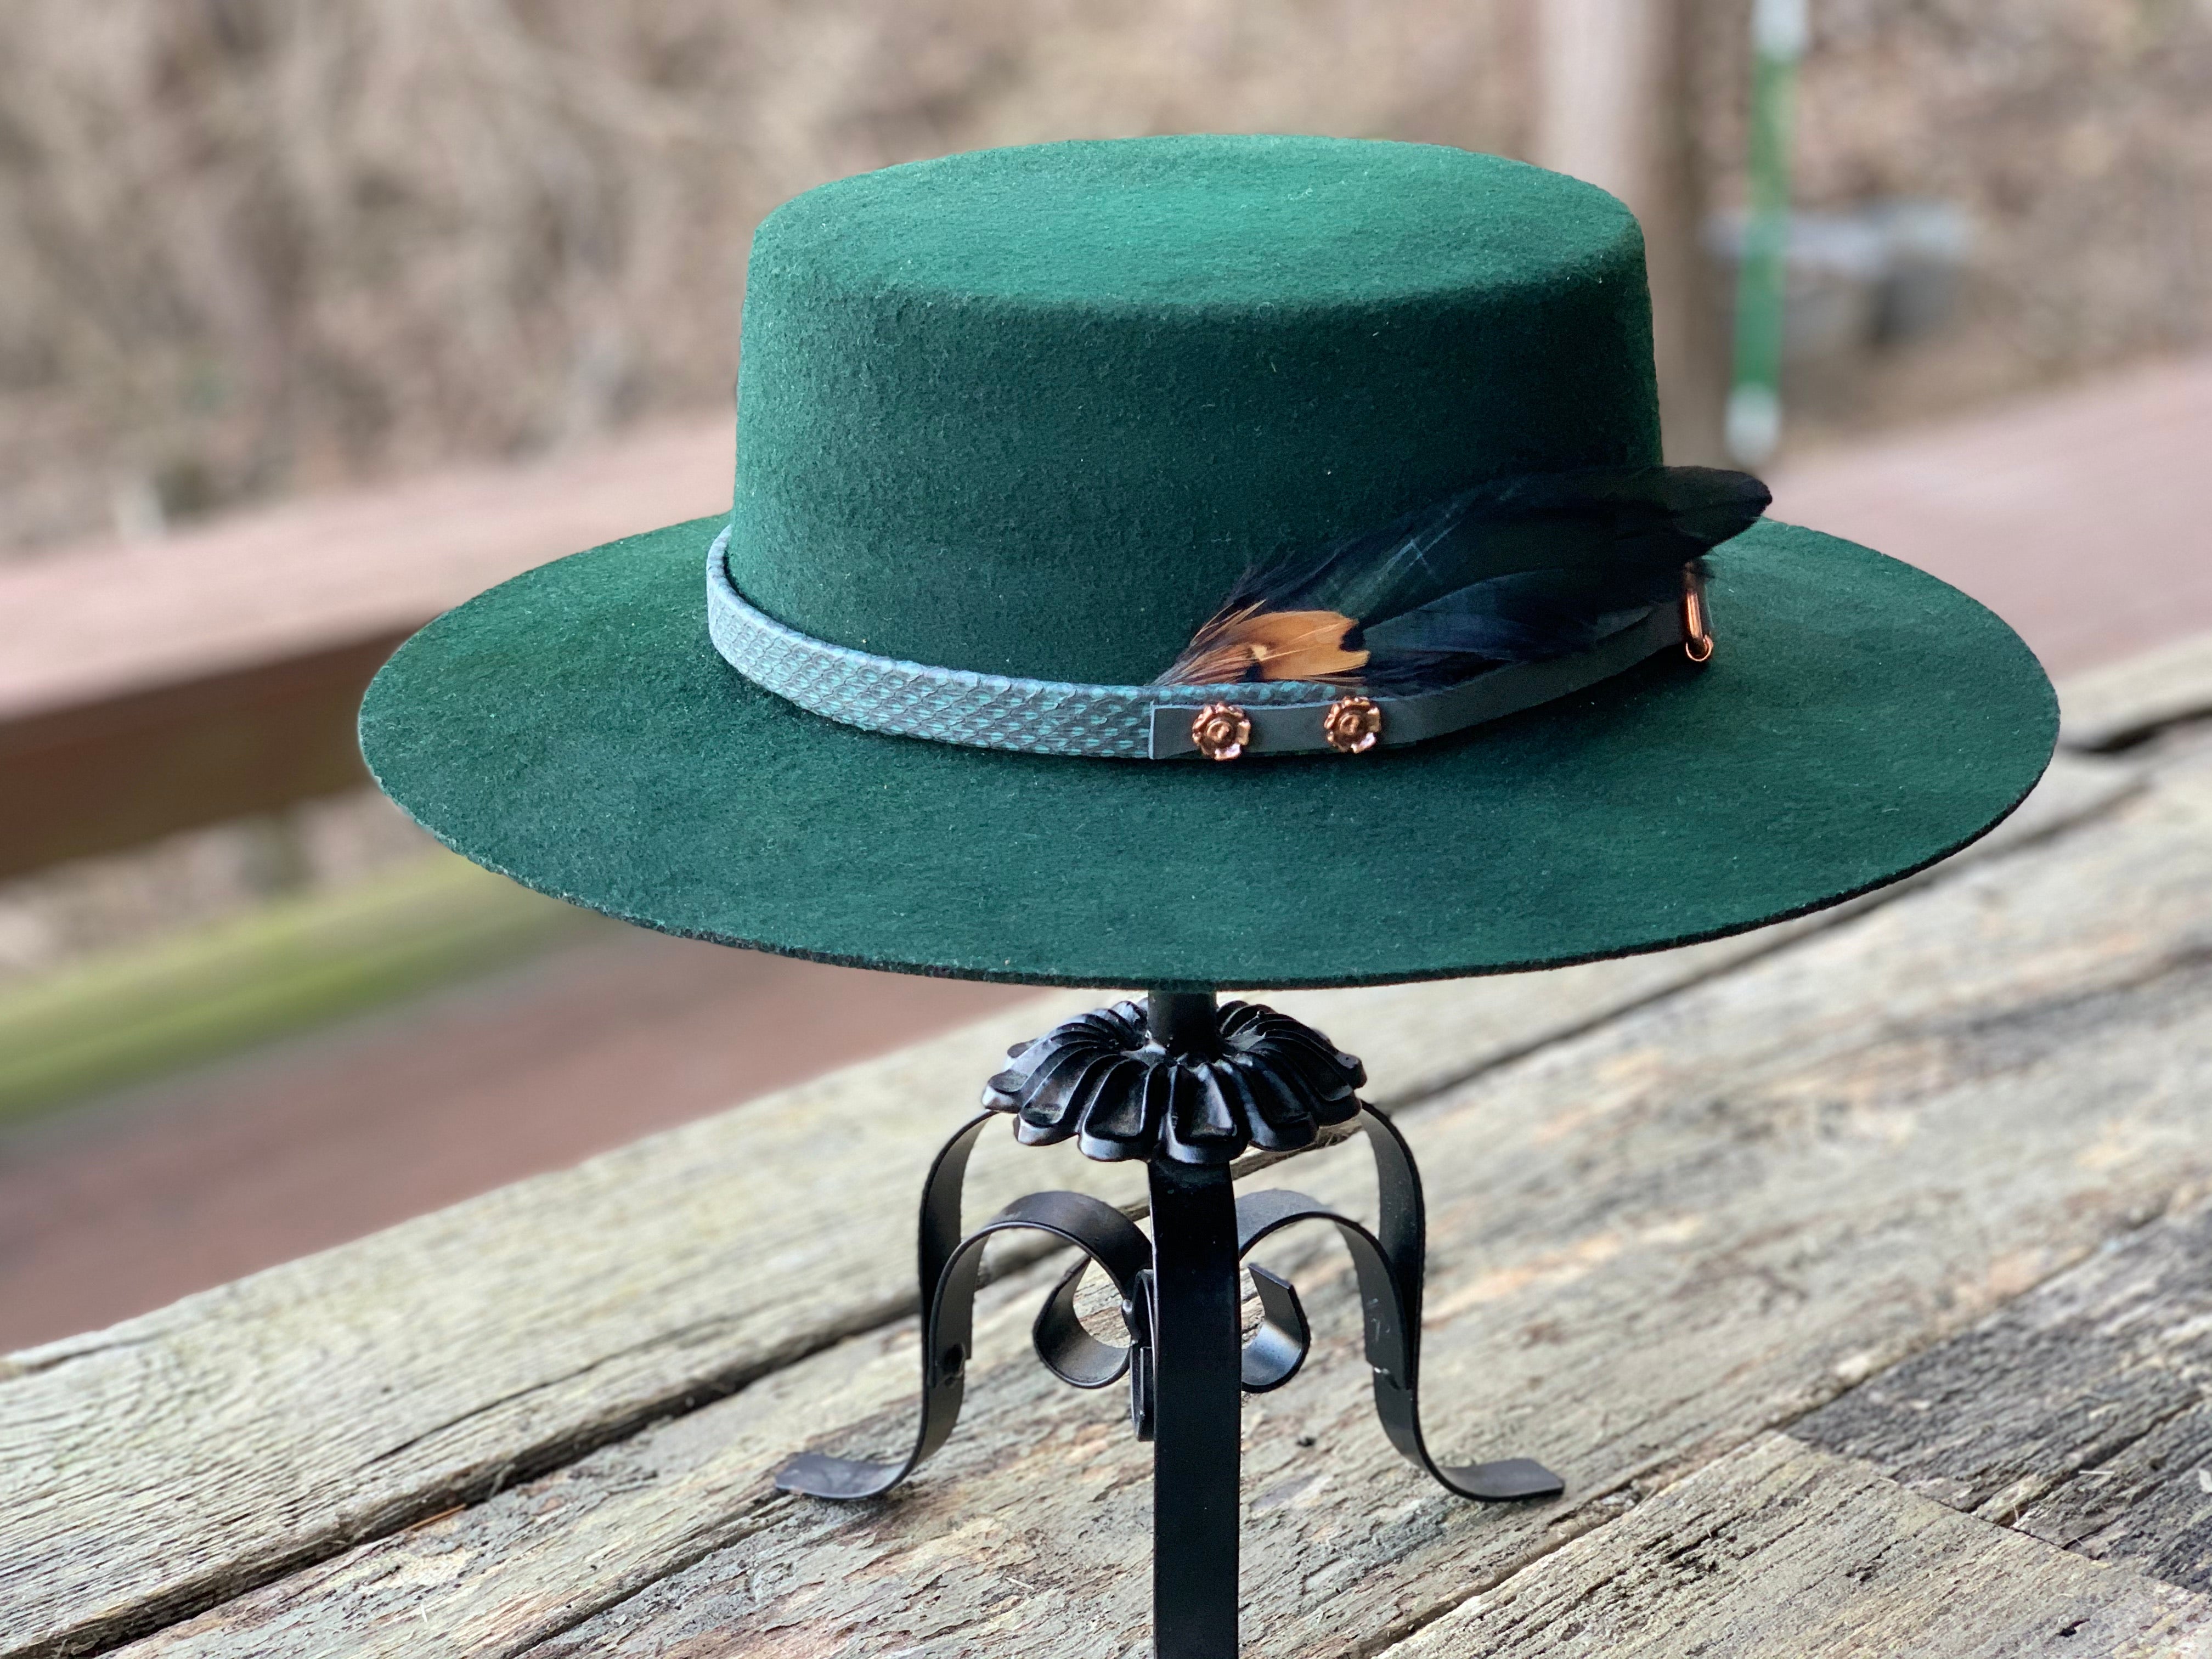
1516,570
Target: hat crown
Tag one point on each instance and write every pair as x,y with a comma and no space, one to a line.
1032,411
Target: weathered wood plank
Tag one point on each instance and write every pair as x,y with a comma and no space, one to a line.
1778,1549
2111,706
166,1461
275,1421
2078,1413
90,779
1693,1224
245,698
1651,1243
545,1555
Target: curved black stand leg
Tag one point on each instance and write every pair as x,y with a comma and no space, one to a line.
1389,1265
1186,1362
950,1266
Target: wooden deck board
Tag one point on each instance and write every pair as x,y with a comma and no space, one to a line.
1655,1239
1678,1201
518,1330
2126,701
1778,1549
218,672
2062,512
2077,1415
1639,1270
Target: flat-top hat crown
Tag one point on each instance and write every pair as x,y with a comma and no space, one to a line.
1033,411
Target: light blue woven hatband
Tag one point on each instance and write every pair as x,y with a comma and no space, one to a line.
1117,722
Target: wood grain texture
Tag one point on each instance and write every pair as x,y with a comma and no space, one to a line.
1691,1223
304,575
2078,1415
1778,1549
173,1458
244,698
162,1466
2124,702
96,778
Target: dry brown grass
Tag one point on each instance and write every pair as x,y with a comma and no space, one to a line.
254,245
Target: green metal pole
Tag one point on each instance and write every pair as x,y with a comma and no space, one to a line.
1754,408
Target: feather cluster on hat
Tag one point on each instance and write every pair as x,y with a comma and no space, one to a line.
1516,570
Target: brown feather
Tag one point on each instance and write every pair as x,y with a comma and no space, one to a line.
1267,645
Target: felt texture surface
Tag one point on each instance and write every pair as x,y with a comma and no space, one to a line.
1032,411
574,729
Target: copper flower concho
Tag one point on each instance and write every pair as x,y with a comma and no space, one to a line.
1220,730
1352,724
1273,1083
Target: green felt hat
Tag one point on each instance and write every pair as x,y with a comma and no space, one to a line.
1025,417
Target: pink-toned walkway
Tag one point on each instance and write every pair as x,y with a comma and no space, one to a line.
2075,517
2079,518
130,1203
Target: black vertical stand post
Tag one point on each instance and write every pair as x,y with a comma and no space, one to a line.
1197,1393
1195,1430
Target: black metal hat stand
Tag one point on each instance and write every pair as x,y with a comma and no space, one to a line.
1188,1086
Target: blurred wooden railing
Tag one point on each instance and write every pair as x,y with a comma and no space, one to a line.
153,687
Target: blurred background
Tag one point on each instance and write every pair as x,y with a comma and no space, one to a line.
315,320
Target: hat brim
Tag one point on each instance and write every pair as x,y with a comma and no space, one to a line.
574,730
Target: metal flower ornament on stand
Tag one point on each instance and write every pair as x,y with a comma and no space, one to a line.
1110,1081
1188,1086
